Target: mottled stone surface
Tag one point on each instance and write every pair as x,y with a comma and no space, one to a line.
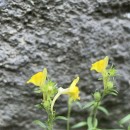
66,37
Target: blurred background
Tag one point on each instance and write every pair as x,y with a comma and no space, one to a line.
66,37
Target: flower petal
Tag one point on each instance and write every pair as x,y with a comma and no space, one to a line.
39,78
100,65
75,81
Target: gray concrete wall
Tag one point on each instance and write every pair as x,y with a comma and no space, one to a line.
65,36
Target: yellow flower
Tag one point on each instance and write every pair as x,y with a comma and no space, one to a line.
72,91
100,66
39,78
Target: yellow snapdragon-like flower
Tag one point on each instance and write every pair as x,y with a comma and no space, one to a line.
72,91
100,66
39,78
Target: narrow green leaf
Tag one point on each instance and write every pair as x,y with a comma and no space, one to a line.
104,110
111,129
80,124
79,105
41,124
128,127
95,123
100,78
37,91
40,106
61,118
89,122
113,93
89,104
125,119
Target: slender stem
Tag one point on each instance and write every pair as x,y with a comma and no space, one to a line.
54,100
68,115
50,120
105,80
51,124
94,112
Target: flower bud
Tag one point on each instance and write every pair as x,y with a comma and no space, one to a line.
97,96
112,72
109,85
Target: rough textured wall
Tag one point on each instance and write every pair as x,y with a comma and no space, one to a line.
65,36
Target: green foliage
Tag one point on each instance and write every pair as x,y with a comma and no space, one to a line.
104,110
79,105
125,120
41,124
112,72
80,124
37,90
89,123
88,105
50,88
97,96
107,76
95,123
61,118
51,93
39,106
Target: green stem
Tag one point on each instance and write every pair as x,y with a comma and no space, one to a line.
68,115
105,80
54,100
94,112
50,120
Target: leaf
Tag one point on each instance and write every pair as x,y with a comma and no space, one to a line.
41,124
95,123
79,105
104,110
113,93
89,123
112,129
40,106
89,104
125,119
100,78
128,127
61,118
80,124
37,91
